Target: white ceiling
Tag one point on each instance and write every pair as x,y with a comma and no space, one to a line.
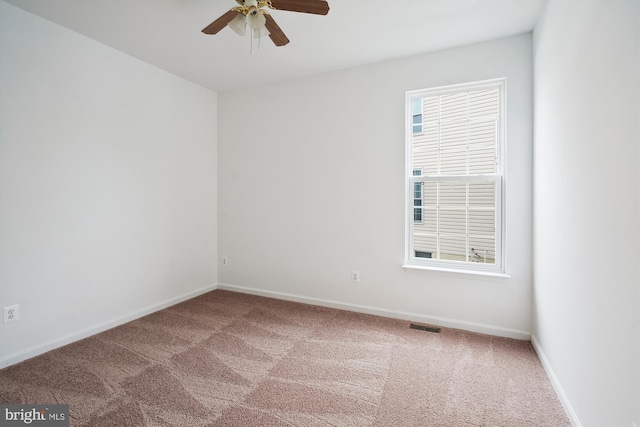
167,33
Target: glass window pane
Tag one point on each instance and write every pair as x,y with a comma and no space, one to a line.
482,147
453,107
482,249
453,247
416,112
482,223
431,108
453,221
482,194
416,106
425,243
417,191
429,221
430,193
425,149
453,148
453,193
484,104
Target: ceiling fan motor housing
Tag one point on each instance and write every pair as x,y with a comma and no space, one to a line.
249,3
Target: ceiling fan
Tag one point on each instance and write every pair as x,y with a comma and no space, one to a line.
252,14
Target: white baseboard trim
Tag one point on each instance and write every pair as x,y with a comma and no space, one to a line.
564,400
395,314
37,350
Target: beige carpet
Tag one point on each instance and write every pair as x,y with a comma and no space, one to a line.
229,359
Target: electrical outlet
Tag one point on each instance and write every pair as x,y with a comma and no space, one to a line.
225,260
355,276
11,313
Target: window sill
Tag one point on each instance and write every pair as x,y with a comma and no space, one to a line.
410,267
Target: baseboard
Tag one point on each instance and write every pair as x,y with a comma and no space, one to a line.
414,317
575,422
37,350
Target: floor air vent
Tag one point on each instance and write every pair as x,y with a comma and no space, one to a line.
425,328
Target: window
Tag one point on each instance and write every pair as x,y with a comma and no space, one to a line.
417,198
455,180
416,115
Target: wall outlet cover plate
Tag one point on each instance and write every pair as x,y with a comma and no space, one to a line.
11,313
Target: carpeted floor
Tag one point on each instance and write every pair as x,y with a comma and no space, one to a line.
229,359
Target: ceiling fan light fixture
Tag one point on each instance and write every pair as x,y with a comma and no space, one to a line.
254,14
255,18
239,25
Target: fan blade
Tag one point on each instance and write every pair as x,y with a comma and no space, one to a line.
221,22
318,7
275,32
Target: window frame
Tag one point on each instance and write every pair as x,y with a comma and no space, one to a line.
412,261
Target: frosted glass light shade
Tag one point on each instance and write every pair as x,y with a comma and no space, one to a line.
256,21
239,24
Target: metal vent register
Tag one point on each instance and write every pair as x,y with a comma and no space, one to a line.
425,328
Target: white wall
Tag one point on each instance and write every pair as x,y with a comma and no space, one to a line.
311,186
107,185
587,206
